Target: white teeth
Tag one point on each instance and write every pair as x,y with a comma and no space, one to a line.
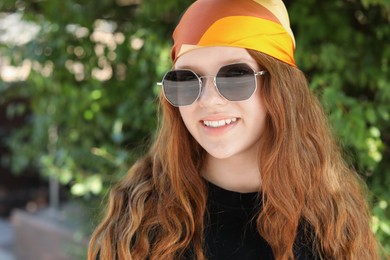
220,123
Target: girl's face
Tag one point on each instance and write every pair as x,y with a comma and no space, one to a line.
223,128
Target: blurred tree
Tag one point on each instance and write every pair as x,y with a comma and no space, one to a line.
91,91
343,47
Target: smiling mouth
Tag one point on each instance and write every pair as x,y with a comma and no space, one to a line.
219,123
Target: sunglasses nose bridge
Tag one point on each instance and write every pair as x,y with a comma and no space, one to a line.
206,80
208,94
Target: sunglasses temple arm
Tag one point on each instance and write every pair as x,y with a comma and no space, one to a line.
259,73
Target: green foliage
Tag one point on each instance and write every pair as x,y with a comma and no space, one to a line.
343,47
91,94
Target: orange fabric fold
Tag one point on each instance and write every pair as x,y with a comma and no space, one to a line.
245,24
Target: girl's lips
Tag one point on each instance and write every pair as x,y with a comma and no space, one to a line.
218,127
219,123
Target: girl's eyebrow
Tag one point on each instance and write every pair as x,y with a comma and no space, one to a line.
194,69
184,67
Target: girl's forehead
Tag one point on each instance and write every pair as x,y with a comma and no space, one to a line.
214,57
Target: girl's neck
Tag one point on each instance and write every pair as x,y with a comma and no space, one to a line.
238,173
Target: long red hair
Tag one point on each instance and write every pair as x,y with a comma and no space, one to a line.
157,211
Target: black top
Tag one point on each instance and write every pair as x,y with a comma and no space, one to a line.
231,234
230,230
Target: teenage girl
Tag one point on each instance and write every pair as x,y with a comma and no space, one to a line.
244,165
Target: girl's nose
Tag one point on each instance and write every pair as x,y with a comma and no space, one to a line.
210,95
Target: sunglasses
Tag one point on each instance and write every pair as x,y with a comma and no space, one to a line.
235,82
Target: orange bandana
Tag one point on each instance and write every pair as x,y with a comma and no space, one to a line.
261,25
